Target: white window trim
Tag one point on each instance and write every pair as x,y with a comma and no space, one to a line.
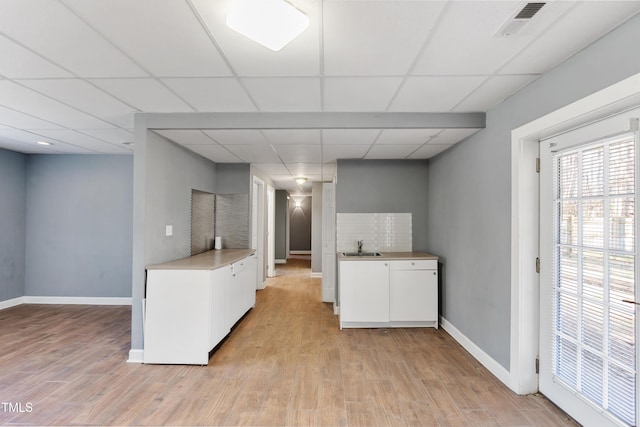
524,218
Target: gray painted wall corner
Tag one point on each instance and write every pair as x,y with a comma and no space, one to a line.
13,213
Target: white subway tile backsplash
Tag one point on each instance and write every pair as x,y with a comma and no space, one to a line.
381,232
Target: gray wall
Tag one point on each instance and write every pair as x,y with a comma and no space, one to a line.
79,225
233,178
13,213
469,197
281,224
164,175
300,225
386,186
172,171
316,227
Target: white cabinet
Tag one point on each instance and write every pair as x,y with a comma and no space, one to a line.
245,280
188,312
388,293
364,292
413,292
219,317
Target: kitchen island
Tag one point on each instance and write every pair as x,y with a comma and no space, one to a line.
192,304
392,289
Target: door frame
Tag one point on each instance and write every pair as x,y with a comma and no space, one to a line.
258,227
271,224
525,291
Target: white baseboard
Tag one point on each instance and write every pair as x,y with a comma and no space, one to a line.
300,252
487,361
281,261
11,303
77,300
136,356
315,275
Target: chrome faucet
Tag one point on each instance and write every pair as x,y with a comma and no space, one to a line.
360,242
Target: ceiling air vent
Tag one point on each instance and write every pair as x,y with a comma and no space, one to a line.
517,22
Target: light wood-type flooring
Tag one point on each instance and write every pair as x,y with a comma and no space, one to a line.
286,363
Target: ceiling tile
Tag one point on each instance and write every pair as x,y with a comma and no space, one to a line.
212,95
22,99
58,34
272,168
304,169
301,57
254,153
406,136
164,36
427,151
25,142
359,93
570,34
146,95
24,121
86,97
245,137
293,136
391,151
330,153
85,142
299,153
434,94
26,64
375,38
187,137
349,136
115,136
283,179
493,91
452,136
463,42
215,153
285,93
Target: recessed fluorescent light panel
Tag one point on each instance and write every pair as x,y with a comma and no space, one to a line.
272,23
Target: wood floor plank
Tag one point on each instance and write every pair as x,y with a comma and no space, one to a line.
285,363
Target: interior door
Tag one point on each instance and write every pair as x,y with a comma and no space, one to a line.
588,280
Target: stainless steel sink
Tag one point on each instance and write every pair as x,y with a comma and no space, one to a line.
361,254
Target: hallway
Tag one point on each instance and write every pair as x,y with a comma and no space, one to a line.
286,363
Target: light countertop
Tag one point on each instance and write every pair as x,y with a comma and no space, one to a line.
210,260
389,256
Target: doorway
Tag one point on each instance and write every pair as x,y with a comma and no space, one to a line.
525,293
588,240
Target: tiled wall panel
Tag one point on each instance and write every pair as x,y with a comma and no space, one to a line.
381,232
232,220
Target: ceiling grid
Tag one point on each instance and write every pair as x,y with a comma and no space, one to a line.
80,70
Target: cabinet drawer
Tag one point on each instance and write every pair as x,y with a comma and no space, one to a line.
418,264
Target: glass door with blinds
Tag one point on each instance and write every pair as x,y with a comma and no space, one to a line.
589,327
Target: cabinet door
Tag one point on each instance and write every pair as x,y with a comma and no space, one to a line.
250,279
219,325
413,295
364,291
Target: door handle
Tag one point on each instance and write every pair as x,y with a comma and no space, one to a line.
630,302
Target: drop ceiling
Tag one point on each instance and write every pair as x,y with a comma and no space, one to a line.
74,72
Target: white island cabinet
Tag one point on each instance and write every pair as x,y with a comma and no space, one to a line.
392,290
192,304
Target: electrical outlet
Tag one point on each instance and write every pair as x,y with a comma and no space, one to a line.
168,230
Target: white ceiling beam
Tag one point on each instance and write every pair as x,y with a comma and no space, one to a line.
313,120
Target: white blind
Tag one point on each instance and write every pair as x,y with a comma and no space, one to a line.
594,343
